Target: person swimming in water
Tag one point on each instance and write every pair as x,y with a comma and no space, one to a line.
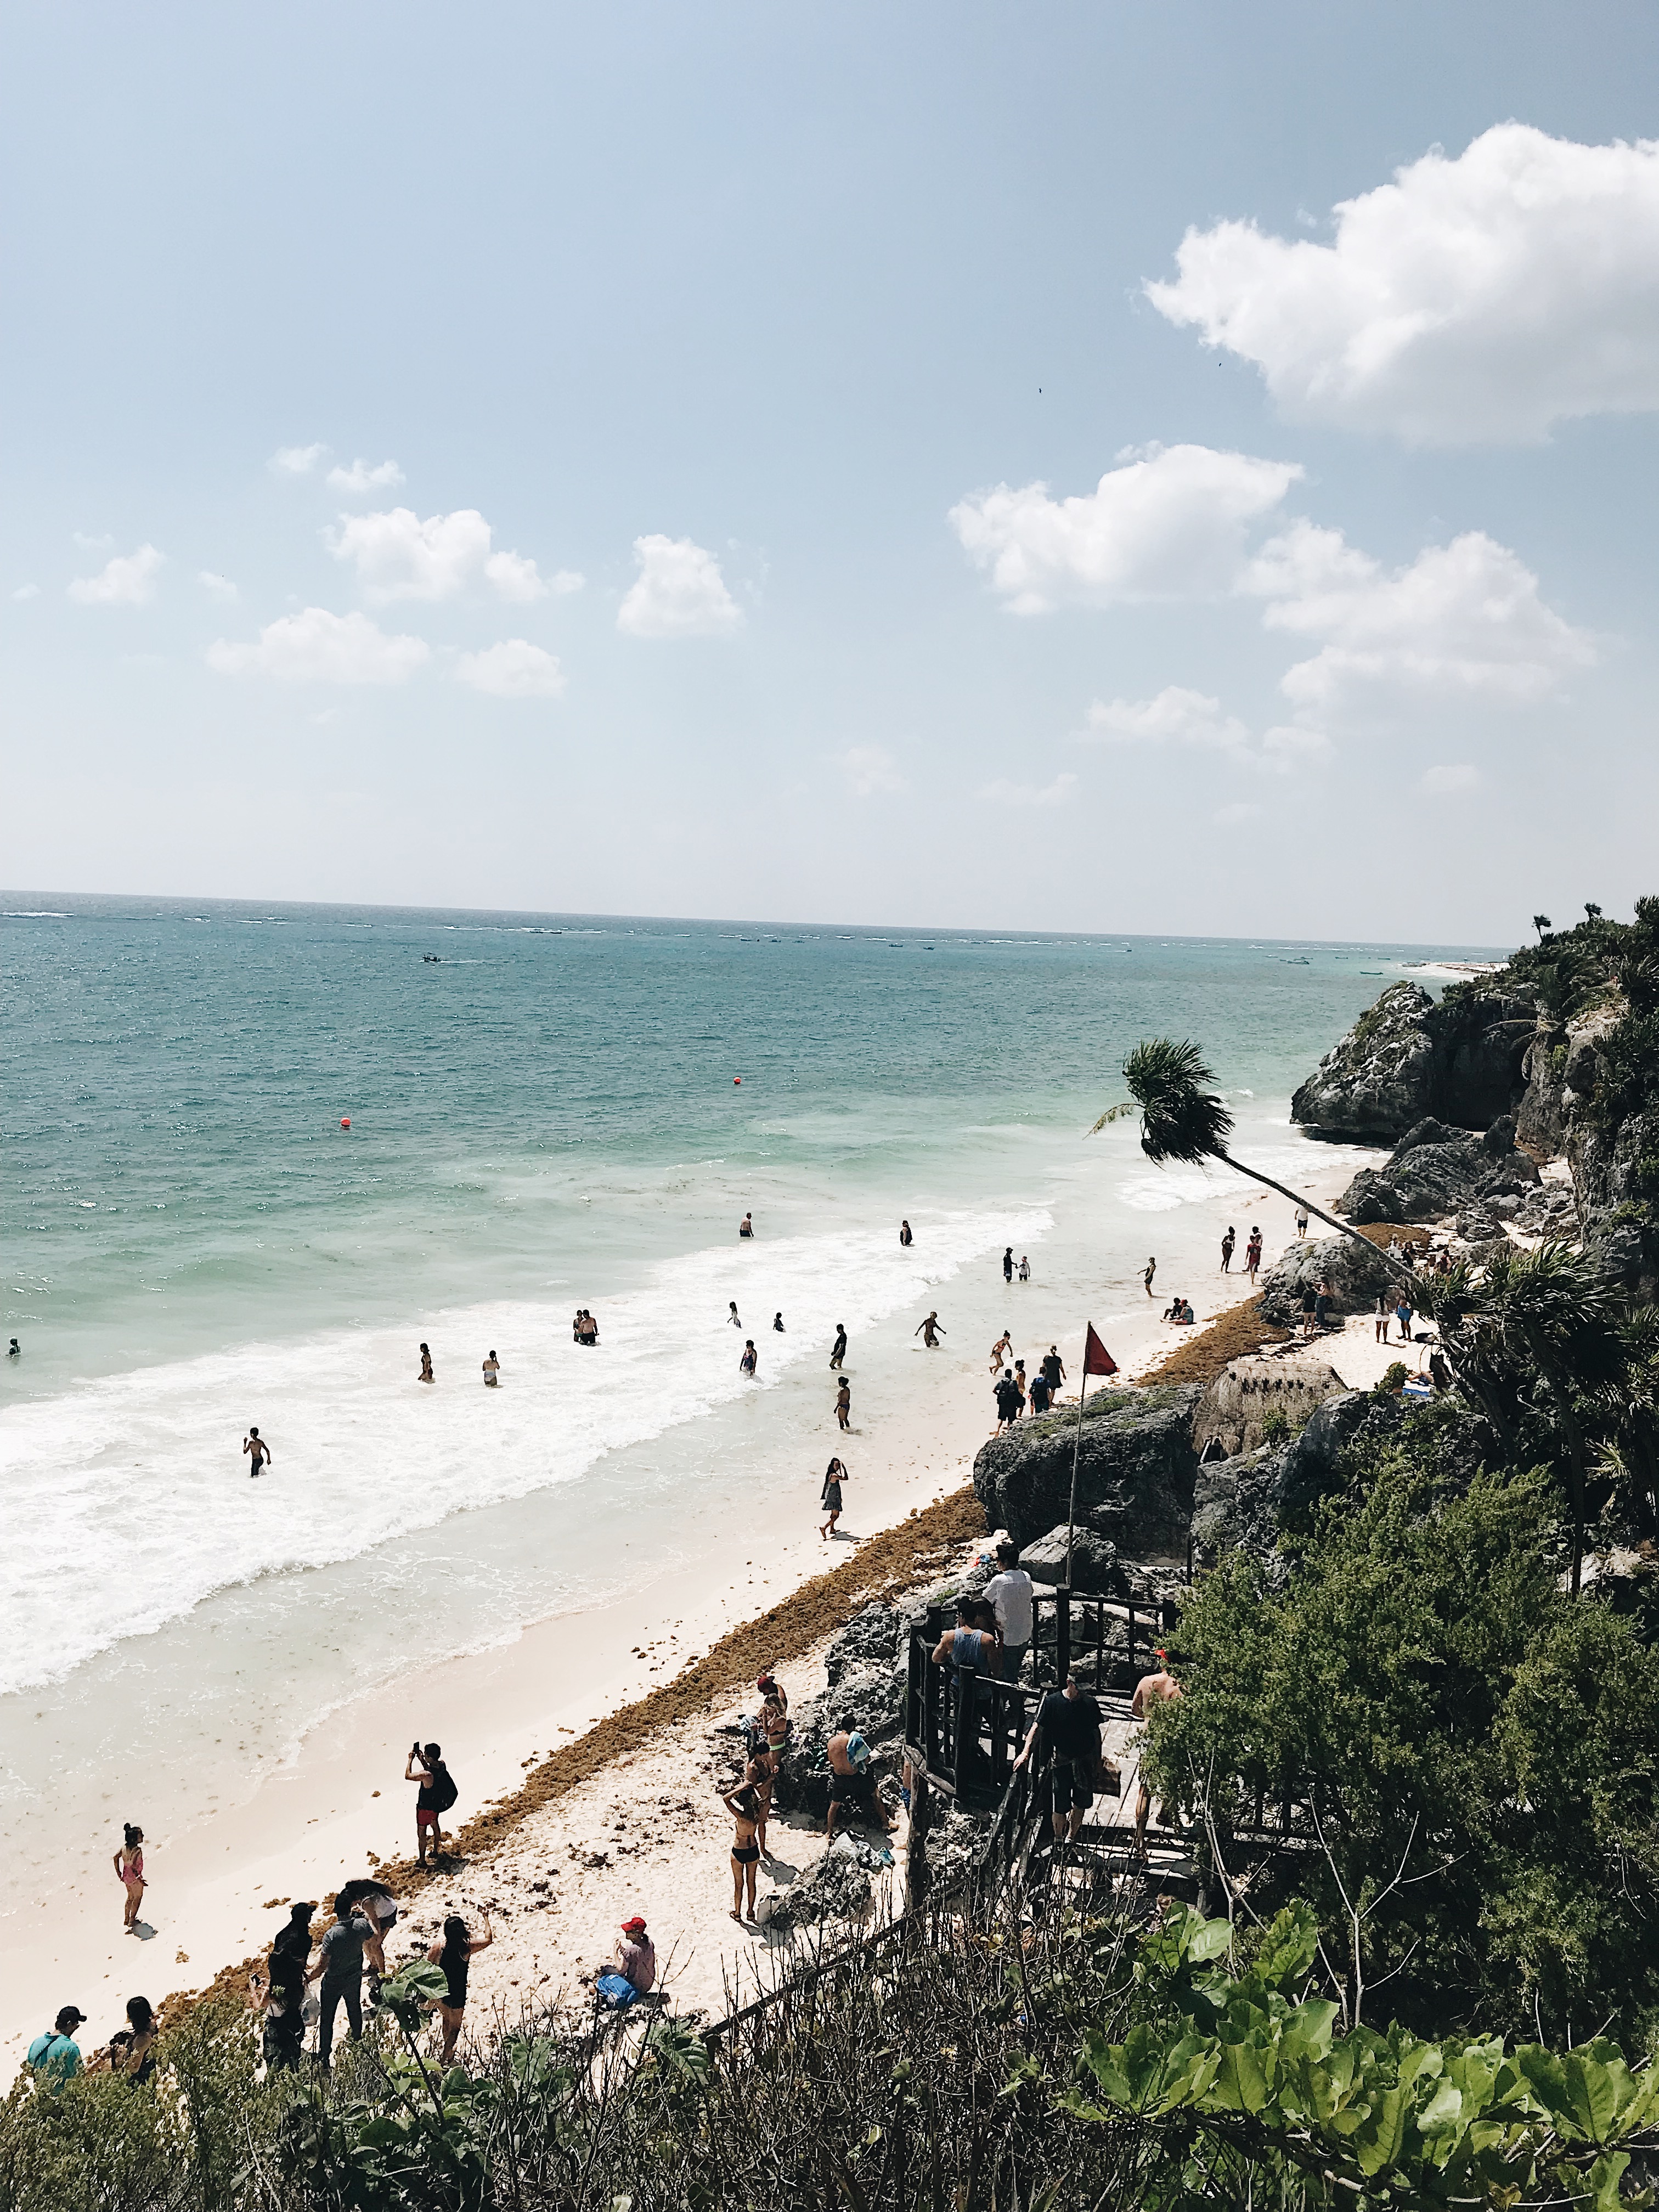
426,1374
905,1236
732,1315
256,1449
492,1372
930,1332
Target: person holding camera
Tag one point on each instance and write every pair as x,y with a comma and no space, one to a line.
437,1794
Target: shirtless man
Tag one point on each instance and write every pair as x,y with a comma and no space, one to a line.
747,1226
838,1350
850,1782
930,1332
1150,1691
258,1450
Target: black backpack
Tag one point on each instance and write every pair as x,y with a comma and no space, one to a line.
444,1792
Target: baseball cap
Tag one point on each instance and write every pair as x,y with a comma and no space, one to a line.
72,2016
634,1927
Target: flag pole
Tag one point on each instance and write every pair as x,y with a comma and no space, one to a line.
1076,1445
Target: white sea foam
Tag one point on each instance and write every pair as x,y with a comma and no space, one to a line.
127,1502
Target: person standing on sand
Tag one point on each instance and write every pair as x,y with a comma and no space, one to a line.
1382,1312
930,1332
339,1968
130,1866
1152,1269
751,1359
1019,1381
757,1774
747,1226
1007,1399
454,1952
1227,1243
1054,1369
1253,1254
744,1806
1000,1350
492,1372
844,1404
834,1475
838,1349
437,1794
1008,1264
904,1238
255,1448
426,1373
1039,1393
1302,1221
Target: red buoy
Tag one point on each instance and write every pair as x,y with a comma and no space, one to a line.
737,1078
345,1120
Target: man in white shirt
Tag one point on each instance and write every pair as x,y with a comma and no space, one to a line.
1009,1593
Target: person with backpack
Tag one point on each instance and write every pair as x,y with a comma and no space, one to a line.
437,1794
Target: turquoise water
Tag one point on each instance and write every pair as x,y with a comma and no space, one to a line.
545,1116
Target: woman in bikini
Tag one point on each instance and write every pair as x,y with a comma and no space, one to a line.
743,1806
130,1865
775,1720
455,1953
758,1775
1000,1350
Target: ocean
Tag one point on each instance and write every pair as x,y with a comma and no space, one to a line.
546,1111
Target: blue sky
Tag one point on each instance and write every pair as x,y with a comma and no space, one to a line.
668,364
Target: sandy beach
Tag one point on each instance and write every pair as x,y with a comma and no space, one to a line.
338,1805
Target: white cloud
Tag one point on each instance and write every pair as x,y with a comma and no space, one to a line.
316,647
384,476
1472,301
514,669
565,580
870,770
26,592
1026,794
398,556
1175,716
516,577
295,460
1168,522
128,581
1180,717
1461,620
218,586
1459,778
678,592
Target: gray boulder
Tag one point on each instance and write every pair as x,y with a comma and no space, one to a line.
836,1889
1435,1171
1408,1057
1380,1078
1234,1406
874,1638
1248,1501
1355,1271
1098,1571
1135,1465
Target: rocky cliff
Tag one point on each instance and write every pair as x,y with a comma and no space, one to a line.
1136,1460
1408,1060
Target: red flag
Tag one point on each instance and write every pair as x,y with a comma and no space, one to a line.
1096,1360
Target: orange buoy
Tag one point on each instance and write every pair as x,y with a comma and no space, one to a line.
345,1120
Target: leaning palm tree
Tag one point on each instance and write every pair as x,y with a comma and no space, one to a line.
1182,1119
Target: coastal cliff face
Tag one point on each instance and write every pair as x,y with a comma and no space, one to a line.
1406,1060
1136,1465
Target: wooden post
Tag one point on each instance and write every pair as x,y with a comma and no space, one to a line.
967,1720
1063,1634
916,1869
1131,1643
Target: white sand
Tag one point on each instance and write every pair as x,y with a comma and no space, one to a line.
339,1805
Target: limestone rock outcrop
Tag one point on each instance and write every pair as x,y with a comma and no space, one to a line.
1136,1460
1435,1171
1407,1059
1233,1408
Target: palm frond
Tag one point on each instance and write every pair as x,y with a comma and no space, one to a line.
1113,1114
1181,1118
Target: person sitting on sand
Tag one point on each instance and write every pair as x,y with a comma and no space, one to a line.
929,1331
743,1804
834,1475
635,1956
454,1951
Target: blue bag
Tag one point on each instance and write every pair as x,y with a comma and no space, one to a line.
617,1990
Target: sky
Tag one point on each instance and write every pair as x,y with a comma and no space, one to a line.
1098,467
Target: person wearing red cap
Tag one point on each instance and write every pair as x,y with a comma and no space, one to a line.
636,1956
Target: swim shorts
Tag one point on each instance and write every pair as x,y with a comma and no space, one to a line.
1073,1784
426,1816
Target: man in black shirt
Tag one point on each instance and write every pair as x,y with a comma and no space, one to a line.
1007,1401
281,1997
340,1965
1069,1722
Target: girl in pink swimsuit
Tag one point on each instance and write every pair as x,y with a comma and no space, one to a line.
130,1865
